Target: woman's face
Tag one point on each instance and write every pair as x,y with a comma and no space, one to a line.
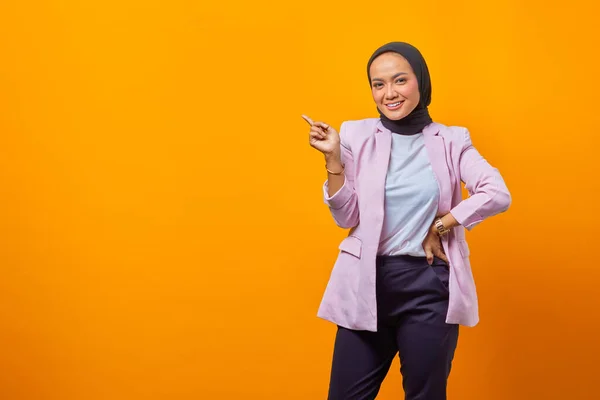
394,85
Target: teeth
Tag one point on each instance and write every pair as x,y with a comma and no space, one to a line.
393,105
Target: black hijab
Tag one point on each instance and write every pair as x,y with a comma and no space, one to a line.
419,118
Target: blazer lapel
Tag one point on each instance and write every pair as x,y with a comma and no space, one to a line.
383,148
378,160
436,150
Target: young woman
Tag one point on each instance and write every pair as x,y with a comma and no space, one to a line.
402,282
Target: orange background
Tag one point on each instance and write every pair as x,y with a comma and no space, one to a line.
163,234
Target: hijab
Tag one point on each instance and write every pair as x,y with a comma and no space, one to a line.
419,118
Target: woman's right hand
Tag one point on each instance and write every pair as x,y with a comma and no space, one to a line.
323,137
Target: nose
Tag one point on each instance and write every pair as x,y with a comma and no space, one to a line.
390,93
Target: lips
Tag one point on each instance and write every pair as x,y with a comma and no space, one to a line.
394,106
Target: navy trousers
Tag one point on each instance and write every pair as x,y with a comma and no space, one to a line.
412,302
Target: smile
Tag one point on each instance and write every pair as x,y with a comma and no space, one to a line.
394,106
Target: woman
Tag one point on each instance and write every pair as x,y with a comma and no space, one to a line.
402,281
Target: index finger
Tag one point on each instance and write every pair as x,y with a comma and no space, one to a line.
310,121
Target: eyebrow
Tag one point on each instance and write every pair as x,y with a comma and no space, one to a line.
393,77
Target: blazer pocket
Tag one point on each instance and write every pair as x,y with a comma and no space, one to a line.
464,248
352,245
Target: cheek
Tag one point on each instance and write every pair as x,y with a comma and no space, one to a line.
377,95
412,91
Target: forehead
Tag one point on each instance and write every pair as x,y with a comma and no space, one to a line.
389,64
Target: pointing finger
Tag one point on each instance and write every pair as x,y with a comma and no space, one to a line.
310,121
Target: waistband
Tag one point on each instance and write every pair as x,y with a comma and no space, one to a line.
406,261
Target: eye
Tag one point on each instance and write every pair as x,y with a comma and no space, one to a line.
401,80
377,85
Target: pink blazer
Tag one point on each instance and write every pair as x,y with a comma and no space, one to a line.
349,299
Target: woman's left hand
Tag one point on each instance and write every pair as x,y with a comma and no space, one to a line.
433,246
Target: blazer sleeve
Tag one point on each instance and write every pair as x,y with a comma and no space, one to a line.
343,205
488,194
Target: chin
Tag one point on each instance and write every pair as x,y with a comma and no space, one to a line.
394,116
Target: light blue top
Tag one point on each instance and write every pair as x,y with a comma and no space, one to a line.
411,197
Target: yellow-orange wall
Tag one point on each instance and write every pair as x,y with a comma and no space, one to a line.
162,233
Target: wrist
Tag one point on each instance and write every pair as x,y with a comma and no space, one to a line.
333,160
439,227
